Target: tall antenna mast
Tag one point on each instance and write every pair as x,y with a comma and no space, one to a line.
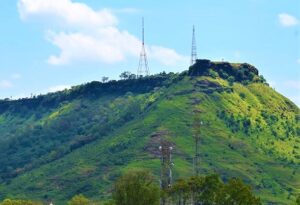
194,48
143,69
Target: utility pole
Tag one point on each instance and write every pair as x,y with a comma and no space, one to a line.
143,69
194,48
197,126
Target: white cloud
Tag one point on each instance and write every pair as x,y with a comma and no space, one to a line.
167,56
287,20
67,12
58,88
298,61
108,45
5,84
93,36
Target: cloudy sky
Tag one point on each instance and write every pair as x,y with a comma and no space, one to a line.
49,45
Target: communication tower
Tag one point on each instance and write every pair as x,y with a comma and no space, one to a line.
143,69
194,48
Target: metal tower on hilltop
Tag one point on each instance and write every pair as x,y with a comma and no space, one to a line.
194,48
143,69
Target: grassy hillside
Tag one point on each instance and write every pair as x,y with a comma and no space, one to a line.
80,140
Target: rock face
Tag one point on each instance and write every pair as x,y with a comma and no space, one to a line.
239,71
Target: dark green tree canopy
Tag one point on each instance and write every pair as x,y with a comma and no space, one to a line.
136,188
208,190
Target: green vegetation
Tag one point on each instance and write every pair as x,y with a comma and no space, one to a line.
298,200
211,190
19,202
139,187
136,188
81,140
79,200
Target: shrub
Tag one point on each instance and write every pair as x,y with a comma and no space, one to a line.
79,200
136,188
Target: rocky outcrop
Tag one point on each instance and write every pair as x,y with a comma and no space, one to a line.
238,71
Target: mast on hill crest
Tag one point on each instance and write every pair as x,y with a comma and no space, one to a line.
143,69
194,48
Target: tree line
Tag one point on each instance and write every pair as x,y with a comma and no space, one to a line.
140,187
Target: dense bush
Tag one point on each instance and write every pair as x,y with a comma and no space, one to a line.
136,188
211,189
19,202
79,200
243,73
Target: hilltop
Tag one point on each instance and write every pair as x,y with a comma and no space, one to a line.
80,140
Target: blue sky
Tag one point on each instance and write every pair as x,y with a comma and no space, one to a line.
48,45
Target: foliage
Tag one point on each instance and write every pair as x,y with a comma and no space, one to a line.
298,200
126,75
104,79
210,189
19,202
236,192
244,73
136,188
79,200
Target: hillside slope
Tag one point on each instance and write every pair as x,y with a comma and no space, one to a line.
80,140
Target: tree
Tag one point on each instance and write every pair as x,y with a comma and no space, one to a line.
79,200
110,202
236,192
19,202
231,80
208,190
132,76
126,75
180,191
104,79
136,188
298,200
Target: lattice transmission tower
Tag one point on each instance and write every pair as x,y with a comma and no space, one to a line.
197,134
165,149
194,48
143,69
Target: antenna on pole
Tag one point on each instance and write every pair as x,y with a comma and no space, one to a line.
143,69
194,48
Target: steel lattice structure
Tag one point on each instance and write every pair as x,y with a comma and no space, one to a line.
143,69
194,48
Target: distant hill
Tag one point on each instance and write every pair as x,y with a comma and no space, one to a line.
80,140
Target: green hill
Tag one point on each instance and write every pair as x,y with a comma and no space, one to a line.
80,140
